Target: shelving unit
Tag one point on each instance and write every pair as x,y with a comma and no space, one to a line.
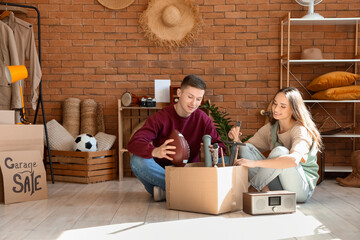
300,61
286,63
285,59
128,119
173,94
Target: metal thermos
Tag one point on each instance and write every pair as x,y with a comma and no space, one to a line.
215,154
207,142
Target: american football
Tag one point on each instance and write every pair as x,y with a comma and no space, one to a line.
180,158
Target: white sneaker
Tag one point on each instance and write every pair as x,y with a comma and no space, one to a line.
159,194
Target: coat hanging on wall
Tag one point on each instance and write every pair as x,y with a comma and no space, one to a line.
9,95
171,23
26,48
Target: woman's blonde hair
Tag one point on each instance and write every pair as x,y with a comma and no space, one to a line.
300,113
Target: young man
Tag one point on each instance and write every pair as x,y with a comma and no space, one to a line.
150,143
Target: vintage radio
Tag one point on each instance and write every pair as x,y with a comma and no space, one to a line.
271,202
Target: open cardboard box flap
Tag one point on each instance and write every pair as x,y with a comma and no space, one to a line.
22,137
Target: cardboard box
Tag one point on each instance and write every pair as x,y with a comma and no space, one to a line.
22,137
196,188
7,117
22,175
83,167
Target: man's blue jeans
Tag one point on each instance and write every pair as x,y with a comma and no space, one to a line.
150,173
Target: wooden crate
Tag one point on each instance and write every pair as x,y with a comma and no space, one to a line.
83,167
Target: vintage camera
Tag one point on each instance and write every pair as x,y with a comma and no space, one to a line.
148,102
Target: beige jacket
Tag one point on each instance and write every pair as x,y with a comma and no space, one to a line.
25,44
10,97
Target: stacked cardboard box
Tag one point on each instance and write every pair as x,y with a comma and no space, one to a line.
22,175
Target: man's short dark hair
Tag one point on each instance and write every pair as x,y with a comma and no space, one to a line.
193,81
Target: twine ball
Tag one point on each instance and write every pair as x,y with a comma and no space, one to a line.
100,124
88,117
71,115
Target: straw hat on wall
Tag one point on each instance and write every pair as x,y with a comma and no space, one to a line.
116,4
171,23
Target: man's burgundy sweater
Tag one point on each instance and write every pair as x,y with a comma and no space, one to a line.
158,127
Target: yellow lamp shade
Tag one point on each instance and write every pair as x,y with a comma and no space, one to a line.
16,73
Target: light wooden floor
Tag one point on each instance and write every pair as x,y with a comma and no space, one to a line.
123,210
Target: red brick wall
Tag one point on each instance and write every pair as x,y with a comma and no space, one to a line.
89,51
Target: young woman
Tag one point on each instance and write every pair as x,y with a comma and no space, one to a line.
293,141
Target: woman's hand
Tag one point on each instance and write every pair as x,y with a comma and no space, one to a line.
245,162
164,150
211,148
232,135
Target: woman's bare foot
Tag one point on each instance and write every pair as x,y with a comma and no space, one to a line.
265,189
252,189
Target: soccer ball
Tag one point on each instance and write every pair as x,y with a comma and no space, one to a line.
85,143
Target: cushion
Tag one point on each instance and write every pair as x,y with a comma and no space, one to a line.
340,93
104,141
332,80
59,138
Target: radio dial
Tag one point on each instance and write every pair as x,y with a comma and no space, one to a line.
275,209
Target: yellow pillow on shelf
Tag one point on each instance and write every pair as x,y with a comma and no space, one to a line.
340,93
332,80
